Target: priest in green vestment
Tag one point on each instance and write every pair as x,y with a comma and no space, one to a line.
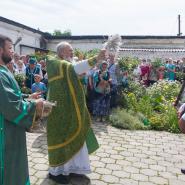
69,133
16,117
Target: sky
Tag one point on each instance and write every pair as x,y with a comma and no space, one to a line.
98,17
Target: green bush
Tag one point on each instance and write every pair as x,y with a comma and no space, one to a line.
128,64
85,54
180,76
165,89
145,106
136,88
157,63
20,78
157,121
163,92
166,120
132,102
26,90
140,116
122,99
123,119
170,115
156,106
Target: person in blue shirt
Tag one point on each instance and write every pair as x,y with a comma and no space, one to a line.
31,70
171,70
39,86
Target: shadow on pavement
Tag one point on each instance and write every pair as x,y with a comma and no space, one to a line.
41,143
74,181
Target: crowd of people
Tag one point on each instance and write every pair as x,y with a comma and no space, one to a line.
101,83
34,72
149,72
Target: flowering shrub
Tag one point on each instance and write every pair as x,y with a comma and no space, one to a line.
166,120
180,76
162,92
85,54
128,64
157,122
157,63
136,88
20,78
156,104
167,89
142,105
171,117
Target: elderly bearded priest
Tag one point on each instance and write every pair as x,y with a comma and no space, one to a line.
69,133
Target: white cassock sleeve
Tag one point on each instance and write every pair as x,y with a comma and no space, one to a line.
183,117
81,67
182,108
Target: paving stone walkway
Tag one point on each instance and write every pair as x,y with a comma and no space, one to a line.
124,158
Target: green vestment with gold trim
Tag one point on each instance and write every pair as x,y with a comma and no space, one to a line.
69,124
16,117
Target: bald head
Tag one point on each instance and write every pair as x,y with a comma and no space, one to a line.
65,51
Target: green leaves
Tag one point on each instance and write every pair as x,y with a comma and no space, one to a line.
58,32
20,78
123,119
157,63
85,54
180,76
128,64
163,91
155,103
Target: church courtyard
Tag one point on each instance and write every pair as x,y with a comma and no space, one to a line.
124,158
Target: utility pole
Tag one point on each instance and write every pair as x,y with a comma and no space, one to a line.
179,26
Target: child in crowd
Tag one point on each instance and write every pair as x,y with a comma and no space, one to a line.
39,86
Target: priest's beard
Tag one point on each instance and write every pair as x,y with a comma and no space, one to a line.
69,59
6,59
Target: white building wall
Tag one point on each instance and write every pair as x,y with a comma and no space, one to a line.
83,45
88,44
27,51
28,37
152,54
154,43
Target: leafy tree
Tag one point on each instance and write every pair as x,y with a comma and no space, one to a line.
59,33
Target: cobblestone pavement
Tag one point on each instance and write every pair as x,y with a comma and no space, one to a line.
124,158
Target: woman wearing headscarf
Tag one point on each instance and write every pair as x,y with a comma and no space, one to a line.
101,103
